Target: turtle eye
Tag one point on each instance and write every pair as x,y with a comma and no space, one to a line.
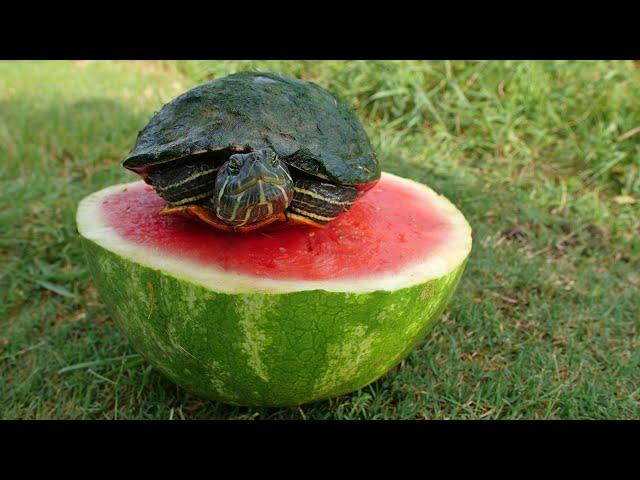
274,159
233,165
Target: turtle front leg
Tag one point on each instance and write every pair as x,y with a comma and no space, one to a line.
316,203
185,184
181,186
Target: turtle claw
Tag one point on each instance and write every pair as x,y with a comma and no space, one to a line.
295,219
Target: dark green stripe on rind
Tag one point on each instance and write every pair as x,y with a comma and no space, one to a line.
265,349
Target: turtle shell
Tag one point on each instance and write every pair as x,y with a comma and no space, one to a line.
302,122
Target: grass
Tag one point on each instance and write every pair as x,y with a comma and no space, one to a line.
542,157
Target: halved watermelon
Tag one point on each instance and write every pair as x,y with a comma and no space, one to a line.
283,316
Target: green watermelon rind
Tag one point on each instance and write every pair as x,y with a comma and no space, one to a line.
266,347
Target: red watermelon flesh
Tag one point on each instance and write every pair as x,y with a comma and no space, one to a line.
387,229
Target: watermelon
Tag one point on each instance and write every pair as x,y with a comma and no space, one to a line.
283,316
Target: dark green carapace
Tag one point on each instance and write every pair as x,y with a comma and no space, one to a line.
317,137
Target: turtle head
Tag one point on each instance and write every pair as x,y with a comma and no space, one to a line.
251,187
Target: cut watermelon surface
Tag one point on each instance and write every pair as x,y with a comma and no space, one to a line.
281,316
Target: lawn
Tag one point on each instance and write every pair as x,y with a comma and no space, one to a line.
542,157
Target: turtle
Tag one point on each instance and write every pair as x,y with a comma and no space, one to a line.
253,148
